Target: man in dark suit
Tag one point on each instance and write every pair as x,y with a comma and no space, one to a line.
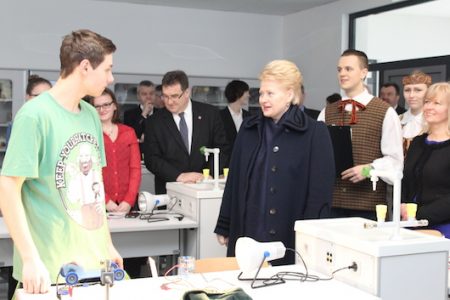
237,95
390,92
175,134
313,113
135,117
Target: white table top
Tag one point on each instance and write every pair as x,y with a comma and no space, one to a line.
150,288
131,224
136,224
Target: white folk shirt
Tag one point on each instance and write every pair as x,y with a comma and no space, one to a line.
237,118
412,125
391,136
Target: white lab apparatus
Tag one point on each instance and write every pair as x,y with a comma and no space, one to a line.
200,202
413,266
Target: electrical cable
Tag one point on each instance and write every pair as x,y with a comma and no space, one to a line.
306,277
155,216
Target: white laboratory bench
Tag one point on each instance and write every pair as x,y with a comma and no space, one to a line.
200,202
150,288
131,237
403,264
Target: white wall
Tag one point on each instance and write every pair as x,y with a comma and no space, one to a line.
153,40
314,40
150,39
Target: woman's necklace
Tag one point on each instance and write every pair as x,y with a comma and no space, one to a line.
109,131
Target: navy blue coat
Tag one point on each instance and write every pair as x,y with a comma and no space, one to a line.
300,179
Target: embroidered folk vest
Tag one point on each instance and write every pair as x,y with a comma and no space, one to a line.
366,146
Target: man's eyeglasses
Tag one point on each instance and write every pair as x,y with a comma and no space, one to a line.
104,106
174,97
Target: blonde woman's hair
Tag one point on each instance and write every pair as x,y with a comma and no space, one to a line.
287,74
439,89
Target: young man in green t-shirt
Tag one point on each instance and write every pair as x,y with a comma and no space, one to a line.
51,187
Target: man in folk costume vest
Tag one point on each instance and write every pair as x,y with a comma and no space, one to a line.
376,139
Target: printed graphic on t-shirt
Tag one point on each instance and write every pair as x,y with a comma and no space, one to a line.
78,176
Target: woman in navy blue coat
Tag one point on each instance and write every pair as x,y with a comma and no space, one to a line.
281,170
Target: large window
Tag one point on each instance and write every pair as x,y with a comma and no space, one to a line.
403,30
402,37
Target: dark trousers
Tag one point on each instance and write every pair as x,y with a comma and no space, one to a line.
12,283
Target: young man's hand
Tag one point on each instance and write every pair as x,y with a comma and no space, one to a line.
35,276
115,256
354,174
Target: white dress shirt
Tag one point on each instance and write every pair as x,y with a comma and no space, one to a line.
188,118
237,118
391,136
412,125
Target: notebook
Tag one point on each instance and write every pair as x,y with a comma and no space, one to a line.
341,138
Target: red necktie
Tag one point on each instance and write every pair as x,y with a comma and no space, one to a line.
355,104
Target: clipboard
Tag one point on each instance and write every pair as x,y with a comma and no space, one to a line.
341,138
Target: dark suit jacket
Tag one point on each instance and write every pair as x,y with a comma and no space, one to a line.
164,152
313,113
133,118
228,123
400,110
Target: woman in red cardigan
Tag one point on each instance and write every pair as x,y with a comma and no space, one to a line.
122,174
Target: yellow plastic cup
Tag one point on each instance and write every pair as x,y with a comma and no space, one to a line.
381,212
225,172
411,210
205,173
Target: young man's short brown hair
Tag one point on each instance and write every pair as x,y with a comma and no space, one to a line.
363,60
83,44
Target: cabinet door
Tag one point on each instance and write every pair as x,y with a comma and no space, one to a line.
12,84
12,96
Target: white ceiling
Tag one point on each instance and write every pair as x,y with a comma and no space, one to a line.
266,7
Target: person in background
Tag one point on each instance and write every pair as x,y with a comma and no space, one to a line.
335,97
414,89
313,113
136,117
122,174
36,86
237,95
159,102
390,93
427,163
282,167
376,139
176,133
49,135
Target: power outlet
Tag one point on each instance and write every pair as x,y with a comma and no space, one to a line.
329,258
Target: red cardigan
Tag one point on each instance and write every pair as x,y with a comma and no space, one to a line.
122,174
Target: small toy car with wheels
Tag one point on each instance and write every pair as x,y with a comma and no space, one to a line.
75,274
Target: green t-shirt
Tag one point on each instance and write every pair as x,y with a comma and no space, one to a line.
61,155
